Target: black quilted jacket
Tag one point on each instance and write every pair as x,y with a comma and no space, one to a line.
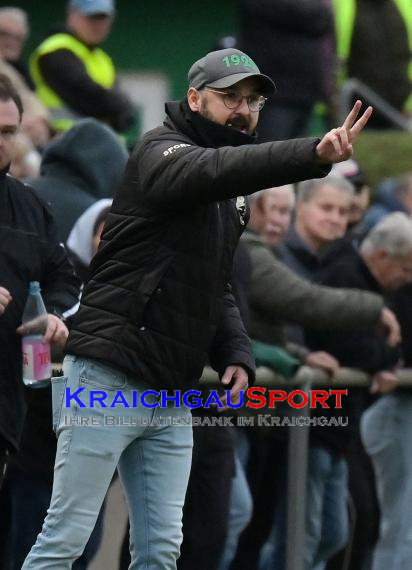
158,301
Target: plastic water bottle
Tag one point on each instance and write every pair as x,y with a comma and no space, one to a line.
36,352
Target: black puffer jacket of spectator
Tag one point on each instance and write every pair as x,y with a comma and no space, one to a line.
29,251
158,299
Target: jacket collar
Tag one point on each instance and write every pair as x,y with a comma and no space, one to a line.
202,131
4,171
373,284
300,247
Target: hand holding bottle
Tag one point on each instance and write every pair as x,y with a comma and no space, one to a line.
39,329
56,332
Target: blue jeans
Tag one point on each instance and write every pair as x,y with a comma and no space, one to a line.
327,521
240,513
386,431
153,463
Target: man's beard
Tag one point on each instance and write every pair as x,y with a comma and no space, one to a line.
238,122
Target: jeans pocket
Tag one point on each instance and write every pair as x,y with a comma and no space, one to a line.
95,374
58,388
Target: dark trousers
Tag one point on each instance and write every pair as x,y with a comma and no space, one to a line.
366,508
266,455
206,509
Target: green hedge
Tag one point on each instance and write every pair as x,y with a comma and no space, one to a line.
384,153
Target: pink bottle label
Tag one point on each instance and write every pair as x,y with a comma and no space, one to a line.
36,358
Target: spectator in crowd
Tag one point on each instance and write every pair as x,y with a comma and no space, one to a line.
157,302
29,251
78,167
374,46
392,195
322,211
363,500
14,30
84,238
351,170
292,41
321,220
383,263
13,33
29,479
35,119
74,77
289,297
386,425
277,295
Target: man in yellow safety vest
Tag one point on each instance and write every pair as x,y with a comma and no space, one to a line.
74,77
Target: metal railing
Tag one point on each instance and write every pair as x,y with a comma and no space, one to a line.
299,440
355,88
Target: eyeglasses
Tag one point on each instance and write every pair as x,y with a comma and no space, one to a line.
233,99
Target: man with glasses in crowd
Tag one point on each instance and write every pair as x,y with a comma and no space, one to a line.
158,303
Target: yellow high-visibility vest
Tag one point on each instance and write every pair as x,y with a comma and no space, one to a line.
98,64
345,14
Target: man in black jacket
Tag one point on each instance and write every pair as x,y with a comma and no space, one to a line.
158,303
29,251
293,40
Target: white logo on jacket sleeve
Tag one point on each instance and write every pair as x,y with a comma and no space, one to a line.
241,208
174,148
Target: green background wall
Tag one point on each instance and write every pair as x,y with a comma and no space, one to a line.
168,35
160,35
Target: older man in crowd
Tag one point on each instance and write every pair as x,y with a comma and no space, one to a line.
386,425
278,295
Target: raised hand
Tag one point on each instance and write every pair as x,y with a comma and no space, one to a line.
337,144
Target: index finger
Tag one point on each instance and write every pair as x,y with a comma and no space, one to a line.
228,375
351,118
360,123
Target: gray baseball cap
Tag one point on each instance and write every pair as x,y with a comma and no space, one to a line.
90,7
224,68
